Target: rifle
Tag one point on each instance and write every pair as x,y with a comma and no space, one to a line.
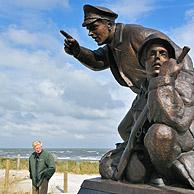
138,125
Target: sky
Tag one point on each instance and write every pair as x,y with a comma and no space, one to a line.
48,95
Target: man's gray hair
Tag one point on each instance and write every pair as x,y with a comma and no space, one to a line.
37,142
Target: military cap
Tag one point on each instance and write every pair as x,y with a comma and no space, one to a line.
155,39
93,13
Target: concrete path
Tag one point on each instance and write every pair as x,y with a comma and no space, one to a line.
55,183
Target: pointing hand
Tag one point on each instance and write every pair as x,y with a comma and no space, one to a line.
71,46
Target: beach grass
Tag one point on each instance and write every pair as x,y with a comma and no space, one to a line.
62,166
11,185
70,166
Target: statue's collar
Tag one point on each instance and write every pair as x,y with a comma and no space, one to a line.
118,36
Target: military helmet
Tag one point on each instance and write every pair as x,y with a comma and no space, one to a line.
155,39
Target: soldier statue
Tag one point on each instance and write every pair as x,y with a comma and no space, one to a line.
121,53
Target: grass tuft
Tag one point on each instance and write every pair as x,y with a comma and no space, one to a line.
77,167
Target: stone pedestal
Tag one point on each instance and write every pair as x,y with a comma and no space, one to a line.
102,186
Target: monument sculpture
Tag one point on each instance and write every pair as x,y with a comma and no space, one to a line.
165,139
158,130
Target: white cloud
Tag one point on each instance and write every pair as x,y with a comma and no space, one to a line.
79,136
43,94
32,15
49,89
130,10
183,35
35,4
30,40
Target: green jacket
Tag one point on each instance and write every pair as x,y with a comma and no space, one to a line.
41,166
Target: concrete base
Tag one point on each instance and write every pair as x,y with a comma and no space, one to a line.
103,186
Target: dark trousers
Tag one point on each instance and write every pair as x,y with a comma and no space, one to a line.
42,189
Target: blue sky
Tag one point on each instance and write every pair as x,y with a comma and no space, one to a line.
48,95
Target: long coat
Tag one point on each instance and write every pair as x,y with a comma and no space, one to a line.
41,167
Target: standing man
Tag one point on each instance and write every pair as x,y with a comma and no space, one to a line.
119,53
41,168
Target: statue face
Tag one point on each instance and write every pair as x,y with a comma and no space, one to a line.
99,31
156,55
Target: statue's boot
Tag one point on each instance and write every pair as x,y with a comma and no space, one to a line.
157,180
183,167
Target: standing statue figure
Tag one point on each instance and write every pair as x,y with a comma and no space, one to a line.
119,53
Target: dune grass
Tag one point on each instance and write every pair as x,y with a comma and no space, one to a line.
77,167
11,186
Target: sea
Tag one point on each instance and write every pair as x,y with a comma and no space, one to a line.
76,154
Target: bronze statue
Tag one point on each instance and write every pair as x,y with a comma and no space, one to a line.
119,53
161,148
169,139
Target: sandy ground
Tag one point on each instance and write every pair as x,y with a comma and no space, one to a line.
55,184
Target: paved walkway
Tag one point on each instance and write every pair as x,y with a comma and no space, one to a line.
55,183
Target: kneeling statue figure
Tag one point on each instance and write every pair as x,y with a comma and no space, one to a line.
160,149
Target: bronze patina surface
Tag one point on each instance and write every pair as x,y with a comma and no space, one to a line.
158,130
